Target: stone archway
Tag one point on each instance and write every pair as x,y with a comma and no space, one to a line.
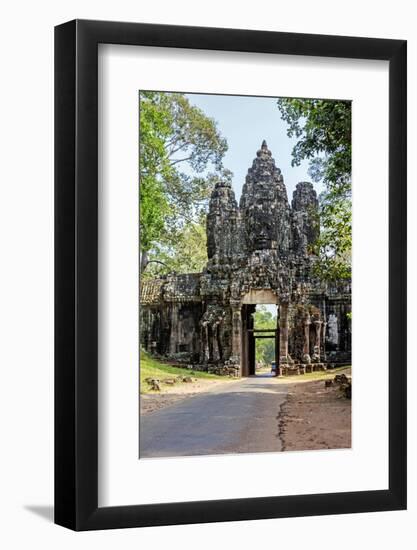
249,334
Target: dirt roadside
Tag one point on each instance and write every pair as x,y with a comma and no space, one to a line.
315,417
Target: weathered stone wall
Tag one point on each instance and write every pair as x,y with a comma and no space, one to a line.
170,311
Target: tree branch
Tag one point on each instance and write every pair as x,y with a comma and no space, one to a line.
179,160
180,148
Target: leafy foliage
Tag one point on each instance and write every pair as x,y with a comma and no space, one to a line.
189,255
181,150
323,130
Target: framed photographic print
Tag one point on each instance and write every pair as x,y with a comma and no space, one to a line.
230,337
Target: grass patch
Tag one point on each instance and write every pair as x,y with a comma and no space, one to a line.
318,375
153,368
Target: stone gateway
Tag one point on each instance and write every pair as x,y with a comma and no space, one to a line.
258,253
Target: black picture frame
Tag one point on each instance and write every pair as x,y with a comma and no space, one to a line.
76,272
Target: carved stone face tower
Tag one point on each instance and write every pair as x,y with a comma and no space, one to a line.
264,206
260,252
305,221
264,224
222,222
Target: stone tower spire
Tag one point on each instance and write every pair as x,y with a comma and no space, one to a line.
222,222
305,217
264,205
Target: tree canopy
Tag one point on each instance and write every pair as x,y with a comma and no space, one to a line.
323,131
181,151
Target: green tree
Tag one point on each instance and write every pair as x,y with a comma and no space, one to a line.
180,150
323,130
187,256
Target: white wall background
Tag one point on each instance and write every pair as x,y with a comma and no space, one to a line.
26,285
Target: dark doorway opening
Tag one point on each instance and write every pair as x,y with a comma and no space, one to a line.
260,339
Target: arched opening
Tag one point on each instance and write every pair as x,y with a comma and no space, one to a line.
260,333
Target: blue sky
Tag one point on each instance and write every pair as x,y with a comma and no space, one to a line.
245,122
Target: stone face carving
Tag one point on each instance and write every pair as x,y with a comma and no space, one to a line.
222,223
263,247
305,223
264,206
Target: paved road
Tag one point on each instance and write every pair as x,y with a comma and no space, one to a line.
236,417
